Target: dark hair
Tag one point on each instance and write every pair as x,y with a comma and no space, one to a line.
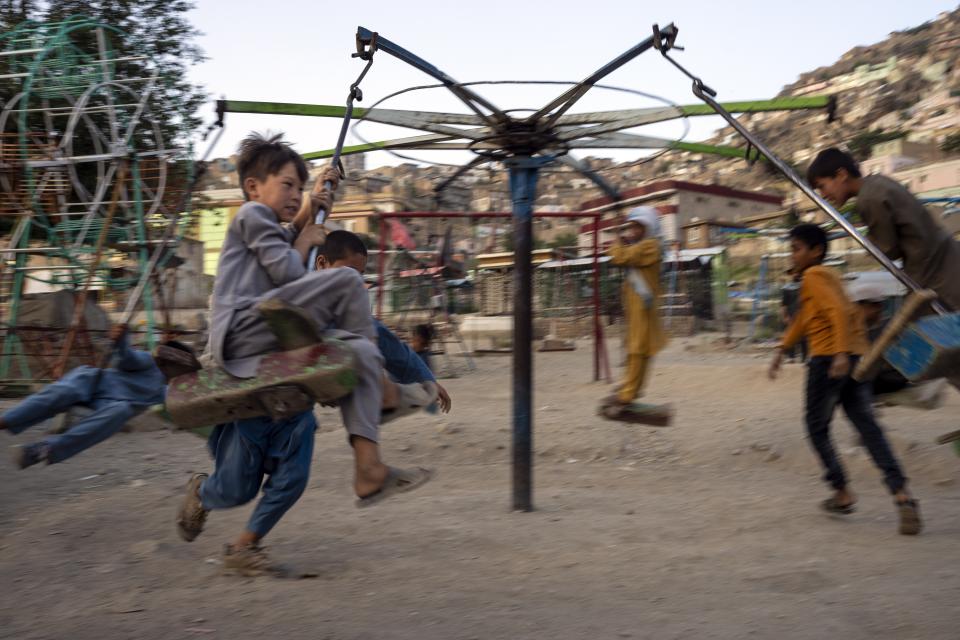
425,332
829,161
261,157
341,244
812,236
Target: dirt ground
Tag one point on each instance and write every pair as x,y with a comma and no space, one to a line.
706,529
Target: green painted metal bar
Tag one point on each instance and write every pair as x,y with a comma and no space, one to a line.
402,143
290,109
717,150
356,148
756,106
337,111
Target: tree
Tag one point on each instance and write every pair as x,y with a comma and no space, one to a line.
13,12
156,30
159,30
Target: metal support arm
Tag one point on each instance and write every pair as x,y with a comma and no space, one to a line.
707,94
568,98
468,97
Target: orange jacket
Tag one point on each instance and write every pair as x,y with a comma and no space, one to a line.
828,319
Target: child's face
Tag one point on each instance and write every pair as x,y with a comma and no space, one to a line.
634,232
417,343
281,191
837,190
804,256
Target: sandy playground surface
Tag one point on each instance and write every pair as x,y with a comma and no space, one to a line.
706,529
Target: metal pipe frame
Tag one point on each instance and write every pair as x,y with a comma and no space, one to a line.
470,98
567,99
524,145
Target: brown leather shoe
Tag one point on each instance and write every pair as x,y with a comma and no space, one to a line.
192,515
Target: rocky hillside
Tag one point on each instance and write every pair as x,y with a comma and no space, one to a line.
907,85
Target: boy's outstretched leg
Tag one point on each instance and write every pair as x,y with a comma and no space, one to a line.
235,481
107,419
856,400
245,451
375,481
72,389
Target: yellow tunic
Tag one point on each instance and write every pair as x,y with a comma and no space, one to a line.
645,335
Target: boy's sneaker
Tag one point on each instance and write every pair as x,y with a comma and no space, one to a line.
910,522
192,515
250,561
27,455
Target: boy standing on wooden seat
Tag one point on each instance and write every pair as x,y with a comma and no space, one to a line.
264,257
640,252
836,339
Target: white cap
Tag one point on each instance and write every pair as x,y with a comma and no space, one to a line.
648,217
866,292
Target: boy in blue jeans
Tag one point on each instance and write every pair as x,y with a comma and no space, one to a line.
246,451
135,382
343,249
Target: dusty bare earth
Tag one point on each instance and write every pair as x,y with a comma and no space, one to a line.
706,529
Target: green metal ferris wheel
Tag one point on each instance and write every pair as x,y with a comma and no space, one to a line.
87,178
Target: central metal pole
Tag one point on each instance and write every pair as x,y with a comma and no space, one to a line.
523,189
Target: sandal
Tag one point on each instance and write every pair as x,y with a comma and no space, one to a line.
830,505
251,562
397,481
910,522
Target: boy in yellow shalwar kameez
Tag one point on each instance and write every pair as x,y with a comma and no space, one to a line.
638,250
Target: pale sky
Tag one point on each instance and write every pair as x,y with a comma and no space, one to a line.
299,51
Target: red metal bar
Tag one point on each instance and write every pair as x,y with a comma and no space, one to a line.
596,299
381,259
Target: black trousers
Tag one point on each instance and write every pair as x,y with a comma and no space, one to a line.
823,395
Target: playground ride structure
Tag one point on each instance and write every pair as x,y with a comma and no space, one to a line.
94,193
524,143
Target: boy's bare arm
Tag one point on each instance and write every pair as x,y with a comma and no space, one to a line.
314,235
318,198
